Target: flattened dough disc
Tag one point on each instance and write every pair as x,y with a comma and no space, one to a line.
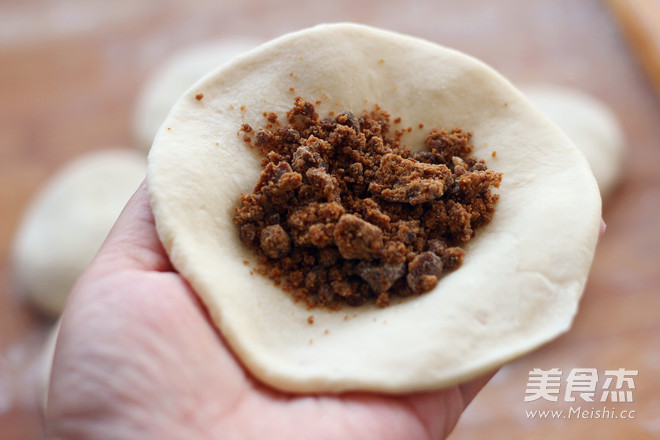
523,273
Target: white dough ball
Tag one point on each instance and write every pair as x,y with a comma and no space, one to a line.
171,80
590,124
67,222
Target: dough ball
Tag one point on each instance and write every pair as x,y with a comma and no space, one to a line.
590,124
68,220
169,82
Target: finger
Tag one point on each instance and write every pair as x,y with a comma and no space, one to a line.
470,389
133,242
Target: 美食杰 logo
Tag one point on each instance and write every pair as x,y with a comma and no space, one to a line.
584,388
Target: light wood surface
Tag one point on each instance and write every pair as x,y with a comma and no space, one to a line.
70,72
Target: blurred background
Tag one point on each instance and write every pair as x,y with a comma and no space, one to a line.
72,72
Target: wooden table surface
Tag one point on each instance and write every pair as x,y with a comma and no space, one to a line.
70,72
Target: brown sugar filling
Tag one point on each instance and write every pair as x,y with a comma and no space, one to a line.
343,213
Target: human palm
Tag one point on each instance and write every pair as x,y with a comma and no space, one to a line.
138,358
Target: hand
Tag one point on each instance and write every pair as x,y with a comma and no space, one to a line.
138,358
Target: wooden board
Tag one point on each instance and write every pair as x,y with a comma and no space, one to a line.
70,73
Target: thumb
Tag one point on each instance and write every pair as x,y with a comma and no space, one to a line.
133,242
